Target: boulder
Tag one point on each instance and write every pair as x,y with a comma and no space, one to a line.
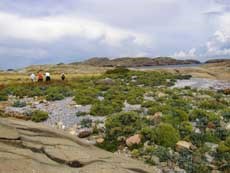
133,140
181,145
83,133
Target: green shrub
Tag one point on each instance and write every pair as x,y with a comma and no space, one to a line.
3,97
103,108
19,104
54,96
211,104
38,116
185,128
79,113
226,114
162,153
122,124
86,122
166,135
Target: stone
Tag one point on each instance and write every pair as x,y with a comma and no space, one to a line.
155,160
100,140
211,125
197,130
133,140
227,127
160,94
212,146
179,170
72,131
83,133
209,158
157,117
181,145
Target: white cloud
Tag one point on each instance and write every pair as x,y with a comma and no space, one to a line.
219,44
52,28
191,54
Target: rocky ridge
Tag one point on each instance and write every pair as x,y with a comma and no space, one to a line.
27,147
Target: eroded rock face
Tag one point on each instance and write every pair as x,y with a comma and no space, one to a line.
26,147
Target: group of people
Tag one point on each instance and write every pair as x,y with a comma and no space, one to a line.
40,77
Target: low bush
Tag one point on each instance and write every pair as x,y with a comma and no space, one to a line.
166,135
86,123
19,104
3,97
38,116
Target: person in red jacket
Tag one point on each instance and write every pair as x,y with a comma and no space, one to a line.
40,76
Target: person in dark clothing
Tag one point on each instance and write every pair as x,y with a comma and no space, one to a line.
63,76
47,77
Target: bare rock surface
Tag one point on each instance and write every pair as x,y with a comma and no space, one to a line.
27,147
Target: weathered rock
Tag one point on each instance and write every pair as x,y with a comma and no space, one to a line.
41,149
209,158
133,140
7,132
179,170
227,127
181,145
212,146
83,133
155,160
100,140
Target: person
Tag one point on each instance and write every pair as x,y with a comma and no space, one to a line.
40,76
63,76
33,77
47,74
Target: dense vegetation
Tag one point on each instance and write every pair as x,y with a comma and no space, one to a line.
167,115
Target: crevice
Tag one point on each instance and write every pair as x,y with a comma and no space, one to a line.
137,170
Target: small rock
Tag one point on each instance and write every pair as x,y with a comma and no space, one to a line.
212,146
100,140
155,160
72,131
197,130
180,145
121,138
133,140
83,133
209,158
227,127
160,94
211,125
163,164
179,170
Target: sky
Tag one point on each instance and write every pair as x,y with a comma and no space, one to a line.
54,31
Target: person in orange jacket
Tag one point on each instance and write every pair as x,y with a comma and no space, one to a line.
40,76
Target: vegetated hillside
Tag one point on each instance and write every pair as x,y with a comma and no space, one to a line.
136,61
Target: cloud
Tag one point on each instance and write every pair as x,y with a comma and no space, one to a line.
52,28
191,54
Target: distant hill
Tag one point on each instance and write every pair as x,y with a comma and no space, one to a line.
217,61
136,62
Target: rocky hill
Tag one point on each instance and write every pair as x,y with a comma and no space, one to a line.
217,61
26,147
136,62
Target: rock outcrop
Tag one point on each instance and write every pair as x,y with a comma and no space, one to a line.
26,147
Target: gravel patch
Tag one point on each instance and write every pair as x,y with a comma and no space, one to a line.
202,84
